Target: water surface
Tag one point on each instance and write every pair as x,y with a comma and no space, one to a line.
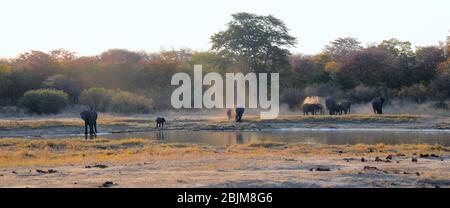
299,135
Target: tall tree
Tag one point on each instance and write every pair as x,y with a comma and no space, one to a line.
341,48
398,47
261,41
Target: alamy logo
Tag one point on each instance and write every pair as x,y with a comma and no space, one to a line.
235,91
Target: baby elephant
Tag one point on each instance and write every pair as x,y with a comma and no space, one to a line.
160,121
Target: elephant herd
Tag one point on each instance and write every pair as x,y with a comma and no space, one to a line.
339,108
90,119
334,108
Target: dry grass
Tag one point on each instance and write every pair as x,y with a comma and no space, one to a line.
40,123
50,152
351,118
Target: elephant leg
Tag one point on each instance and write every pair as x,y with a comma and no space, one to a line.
95,127
91,129
85,128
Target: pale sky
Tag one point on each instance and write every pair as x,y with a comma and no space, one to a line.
89,27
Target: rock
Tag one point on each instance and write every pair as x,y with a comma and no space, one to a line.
108,184
96,166
290,159
414,159
323,169
377,159
363,160
424,155
370,168
100,166
417,173
389,157
13,172
46,171
433,155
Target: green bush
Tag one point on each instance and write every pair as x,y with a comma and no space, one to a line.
117,101
96,98
129,103
44,101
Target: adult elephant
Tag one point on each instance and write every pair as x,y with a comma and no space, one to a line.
314,108
239,114
377,105
345,106
308,108
90,119
160,121
331,105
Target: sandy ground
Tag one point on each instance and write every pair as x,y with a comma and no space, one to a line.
241,171
221,168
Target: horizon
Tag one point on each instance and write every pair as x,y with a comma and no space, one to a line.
154,26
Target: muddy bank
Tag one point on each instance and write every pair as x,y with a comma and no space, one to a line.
141,163
292,171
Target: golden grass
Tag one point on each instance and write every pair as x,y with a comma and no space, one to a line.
30,152
39,123
358,118
137,122
50,152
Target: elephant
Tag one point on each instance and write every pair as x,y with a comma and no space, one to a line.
332,107
229,114
344,107
90,119
160,121
312,108
318,108
239,114
377,105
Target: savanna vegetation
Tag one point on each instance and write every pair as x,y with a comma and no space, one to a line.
125,81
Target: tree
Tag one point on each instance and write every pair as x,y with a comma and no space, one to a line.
5,81
61,82
371,67
398,47
427,61
341,48
262,41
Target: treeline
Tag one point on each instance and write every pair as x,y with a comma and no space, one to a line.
125,81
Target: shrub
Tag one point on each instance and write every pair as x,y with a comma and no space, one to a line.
416,92
117,101
96,98
293,97
129,103
61,82
44,101
362,94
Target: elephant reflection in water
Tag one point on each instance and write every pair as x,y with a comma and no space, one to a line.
239,138
160,135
